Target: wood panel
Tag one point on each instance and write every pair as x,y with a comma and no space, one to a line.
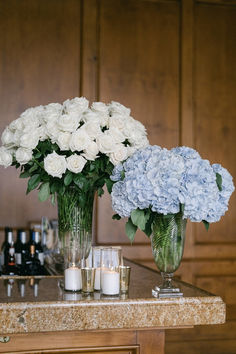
139,67
214,92
39,63
107,342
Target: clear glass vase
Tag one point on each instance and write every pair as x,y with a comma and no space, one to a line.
75,216
167,241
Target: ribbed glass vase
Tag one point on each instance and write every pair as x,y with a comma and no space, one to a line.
75,218
167,241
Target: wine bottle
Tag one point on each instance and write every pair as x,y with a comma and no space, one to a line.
38,248
21,239
7,230
7,246
32,264
11,268
21,251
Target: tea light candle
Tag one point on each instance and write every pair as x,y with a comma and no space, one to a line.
110,282
97,285
73,279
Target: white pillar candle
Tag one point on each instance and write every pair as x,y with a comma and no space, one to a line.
73,279
97,279
110,282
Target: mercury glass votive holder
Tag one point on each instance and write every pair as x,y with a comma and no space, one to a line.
88,276
124,278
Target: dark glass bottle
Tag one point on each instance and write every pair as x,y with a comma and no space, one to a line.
32,264
21,237
38,248
11,267
7,246
8,231
21,251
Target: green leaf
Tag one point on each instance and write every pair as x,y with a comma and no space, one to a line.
53,199
33,182
25,174
116,217
100,192
206,224
44,192
219,181
68,179
33,168
109,185
37,155
130,229
138,218
148,226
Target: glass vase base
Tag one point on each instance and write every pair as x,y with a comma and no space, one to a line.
159,292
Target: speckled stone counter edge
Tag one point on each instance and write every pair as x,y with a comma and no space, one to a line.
25,317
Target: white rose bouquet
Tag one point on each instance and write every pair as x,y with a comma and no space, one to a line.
63,145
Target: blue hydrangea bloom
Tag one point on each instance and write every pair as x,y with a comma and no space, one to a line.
163,179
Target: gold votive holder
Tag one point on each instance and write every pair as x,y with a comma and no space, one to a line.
124,278
88,276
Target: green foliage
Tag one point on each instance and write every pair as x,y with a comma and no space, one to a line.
130,229
116,217
219,181
33,182
138,218
206,224
93,177
68,178
44,192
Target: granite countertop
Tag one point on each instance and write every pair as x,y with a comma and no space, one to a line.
40,304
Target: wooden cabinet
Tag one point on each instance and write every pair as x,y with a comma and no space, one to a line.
109,342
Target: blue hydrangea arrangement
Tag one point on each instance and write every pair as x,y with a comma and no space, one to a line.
155,180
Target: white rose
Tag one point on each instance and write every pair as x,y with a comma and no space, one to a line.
116,134
52,131
132,127
90,153
101,109
75,163
79,140
90,116
68,122
17,124
76,105
5,157
116,107
17,136
42,131
117,121
23,155
52,112
29,140
140,141
92,129
63,140
55,165
120,154
32,117
7,137
105,143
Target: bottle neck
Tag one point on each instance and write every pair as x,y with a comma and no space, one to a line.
36,237
9,237
7,230
23,237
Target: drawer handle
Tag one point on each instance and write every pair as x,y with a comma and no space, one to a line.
4,339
